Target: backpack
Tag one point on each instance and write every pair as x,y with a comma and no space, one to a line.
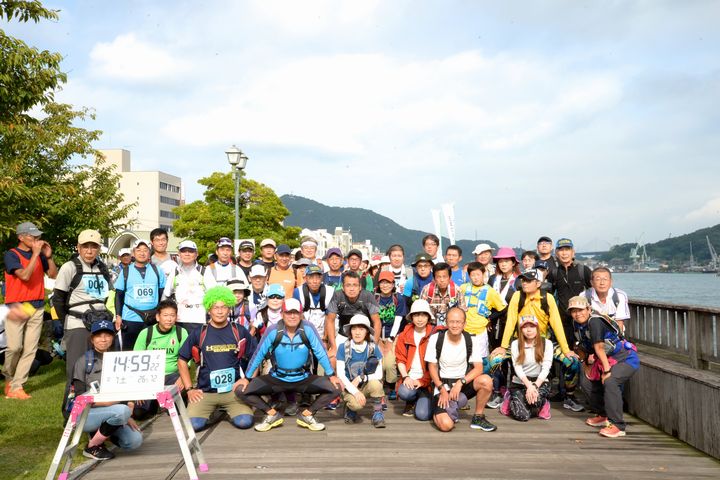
147,316
196,350
451,289
77,278
151,329
279,333
198,267
543,302
69,398
468,346
370,353
307,302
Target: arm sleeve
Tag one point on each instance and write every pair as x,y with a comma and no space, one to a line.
59,302
512,316
556,324
515,352
547,361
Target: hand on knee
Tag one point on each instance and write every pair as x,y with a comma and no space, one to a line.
243,421
198,423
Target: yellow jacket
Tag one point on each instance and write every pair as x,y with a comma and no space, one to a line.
533,307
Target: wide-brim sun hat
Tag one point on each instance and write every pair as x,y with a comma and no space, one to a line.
420,306
358,319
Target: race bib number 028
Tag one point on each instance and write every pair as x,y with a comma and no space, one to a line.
128,372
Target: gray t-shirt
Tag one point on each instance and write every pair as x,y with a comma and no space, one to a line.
92,287
81,379
340,305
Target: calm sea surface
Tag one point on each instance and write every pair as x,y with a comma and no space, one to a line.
682,288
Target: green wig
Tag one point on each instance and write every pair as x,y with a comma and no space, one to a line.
219,294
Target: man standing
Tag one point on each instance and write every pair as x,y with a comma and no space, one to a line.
186,286
161,258
431,245
282,273
245,256
442,294
333,276
453,257
267,253
25,269
544,251
137,293
219,272
82,284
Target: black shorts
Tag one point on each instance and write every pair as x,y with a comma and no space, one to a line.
466,390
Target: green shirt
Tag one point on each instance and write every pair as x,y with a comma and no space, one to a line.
163,341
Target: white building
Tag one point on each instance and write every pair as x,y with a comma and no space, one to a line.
341,239
155,193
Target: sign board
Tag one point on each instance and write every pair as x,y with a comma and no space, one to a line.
133,372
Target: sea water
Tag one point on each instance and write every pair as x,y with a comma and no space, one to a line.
701,289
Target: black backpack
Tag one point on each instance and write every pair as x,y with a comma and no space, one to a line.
468,346
543,302
92,314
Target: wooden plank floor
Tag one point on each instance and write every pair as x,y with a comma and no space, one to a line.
562,448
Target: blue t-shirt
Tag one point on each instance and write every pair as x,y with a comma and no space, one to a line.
356,365
291,354
12,263
141,291
415,286
334,281
220,363
459,277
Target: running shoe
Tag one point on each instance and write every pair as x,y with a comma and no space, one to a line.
409,410
378,420
18,394
611,431
482,423
291,410
270,421
350,416
333,405
309,422
544,412
392,395
571,404
505,407
495,401
598,421
98,452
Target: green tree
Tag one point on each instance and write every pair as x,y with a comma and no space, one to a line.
51,174
261,214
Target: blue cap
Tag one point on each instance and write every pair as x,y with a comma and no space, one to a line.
564,242
283,248
276,289
310,269
102,326
541,264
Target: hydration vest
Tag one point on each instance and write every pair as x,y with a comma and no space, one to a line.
286,372
481,296
77,278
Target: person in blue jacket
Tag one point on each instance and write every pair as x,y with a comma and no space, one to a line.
289,345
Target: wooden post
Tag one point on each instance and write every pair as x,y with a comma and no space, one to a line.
694,332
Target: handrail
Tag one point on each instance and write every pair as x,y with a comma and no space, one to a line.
691,331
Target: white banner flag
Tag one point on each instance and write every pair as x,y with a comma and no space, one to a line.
448,210
436,222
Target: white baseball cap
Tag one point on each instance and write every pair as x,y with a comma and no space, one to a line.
258,271
483,247
187,244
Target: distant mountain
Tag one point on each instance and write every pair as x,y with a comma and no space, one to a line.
674,250
363,224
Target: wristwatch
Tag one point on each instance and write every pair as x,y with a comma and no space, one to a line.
463,381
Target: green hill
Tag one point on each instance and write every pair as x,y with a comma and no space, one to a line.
675,250
364,224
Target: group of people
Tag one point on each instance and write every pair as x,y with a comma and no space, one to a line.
291,336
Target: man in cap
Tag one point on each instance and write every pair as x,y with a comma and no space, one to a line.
267,253
25,268
258,284
422,276
245,256
83,284
160,255
354,264
186,285
138,290
289,345
222,270
570,278
282,273
544,252
483,254
333,276
314,297
612,361
124,257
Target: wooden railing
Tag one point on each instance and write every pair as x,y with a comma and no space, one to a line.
689,331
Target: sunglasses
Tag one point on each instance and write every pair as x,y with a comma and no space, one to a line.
276,297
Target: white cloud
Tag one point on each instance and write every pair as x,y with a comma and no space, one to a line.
130,59
709,212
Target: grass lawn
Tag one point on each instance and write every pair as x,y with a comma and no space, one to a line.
30,430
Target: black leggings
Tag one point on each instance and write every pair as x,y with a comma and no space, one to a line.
269,385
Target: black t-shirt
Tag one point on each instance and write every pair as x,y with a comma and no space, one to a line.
598,330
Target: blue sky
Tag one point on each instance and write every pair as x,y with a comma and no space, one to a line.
593,120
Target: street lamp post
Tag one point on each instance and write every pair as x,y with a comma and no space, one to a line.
237,160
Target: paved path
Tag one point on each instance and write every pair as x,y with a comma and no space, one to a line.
562,448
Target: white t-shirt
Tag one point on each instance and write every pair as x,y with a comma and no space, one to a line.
453,359
622,312
167,266
217,274
416,372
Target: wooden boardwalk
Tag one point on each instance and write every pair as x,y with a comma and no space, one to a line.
562,448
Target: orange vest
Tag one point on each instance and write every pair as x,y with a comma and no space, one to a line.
17,290
286,278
